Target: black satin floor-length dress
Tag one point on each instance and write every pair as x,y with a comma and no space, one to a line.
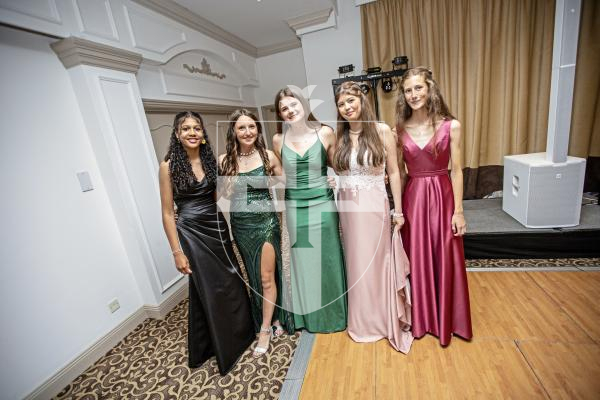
220,322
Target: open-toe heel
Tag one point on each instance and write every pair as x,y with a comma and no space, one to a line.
259,350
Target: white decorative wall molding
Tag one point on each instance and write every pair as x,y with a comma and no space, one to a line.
307,20
278,48
127,25
315,21
150,33
74,51
184,16
165,106
95,17
112,110
361,2
161,310
330,23
198,76
52,386
74,368
199,88
43,9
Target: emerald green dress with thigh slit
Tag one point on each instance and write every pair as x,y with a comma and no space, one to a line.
254,223
318,275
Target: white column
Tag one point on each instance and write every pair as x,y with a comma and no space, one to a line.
106,88
564,56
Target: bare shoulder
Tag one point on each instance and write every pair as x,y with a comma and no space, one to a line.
271,154
455,128
326,130
164,166
277,138
383,128
164,173
327,134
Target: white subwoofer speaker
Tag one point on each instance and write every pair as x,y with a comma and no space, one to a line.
544,190
541,194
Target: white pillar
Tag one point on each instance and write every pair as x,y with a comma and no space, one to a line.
564,56
106,88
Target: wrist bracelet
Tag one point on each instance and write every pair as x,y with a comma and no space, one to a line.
397,215
177,251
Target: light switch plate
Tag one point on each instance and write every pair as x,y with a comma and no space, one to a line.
85,181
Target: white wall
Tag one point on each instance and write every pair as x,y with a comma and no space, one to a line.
62,258
325,50
277,71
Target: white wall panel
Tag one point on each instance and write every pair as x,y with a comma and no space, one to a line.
151,33
131,147
95,17
41,9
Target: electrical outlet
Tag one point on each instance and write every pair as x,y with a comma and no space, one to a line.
114,305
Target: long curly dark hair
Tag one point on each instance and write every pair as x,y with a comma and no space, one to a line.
370,138
229,165
180,168
436,106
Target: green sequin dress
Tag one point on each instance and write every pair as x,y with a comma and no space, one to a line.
318,275
254,223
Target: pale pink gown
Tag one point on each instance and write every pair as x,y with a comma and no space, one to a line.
376,264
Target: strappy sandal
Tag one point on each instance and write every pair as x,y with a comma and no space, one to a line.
277,330
258,350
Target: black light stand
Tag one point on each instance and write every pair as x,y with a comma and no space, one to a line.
374,77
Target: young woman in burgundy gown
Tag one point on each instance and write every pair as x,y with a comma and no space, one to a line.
429,139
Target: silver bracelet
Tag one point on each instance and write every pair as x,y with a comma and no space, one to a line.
177,251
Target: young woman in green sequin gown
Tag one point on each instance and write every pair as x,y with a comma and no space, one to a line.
318,276
247,166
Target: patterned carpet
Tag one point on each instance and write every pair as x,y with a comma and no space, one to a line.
151,363
534,263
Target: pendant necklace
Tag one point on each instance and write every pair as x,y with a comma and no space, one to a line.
245,156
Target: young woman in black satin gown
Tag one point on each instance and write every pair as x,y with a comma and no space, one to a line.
220,321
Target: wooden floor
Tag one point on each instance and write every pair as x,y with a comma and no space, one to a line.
536,336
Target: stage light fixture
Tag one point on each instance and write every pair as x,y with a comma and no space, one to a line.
373,70
400,60
365,88
386,85
345,69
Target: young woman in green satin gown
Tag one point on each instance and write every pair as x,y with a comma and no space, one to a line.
247,167
318,277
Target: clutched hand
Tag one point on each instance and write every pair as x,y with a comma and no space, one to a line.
331,182
182,263
459,225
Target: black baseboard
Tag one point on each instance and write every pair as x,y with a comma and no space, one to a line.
557,243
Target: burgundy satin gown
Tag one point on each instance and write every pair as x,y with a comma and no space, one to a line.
440,295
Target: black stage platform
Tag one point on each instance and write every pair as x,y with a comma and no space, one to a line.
491,233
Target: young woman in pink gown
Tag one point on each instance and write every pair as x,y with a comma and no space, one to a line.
429,140
376,264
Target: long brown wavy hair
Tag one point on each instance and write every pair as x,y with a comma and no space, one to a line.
290,91
436,106
368,140
229,165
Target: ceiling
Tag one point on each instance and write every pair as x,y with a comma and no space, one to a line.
261,23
